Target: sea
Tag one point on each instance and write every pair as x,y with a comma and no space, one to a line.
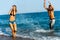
33,25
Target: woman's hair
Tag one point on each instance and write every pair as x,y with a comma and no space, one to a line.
15,8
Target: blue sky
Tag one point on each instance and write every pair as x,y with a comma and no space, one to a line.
25,6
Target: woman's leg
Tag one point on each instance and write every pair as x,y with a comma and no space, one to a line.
15,28
11,26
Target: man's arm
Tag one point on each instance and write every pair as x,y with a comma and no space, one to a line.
51,4
45,4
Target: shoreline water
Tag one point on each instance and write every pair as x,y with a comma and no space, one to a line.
3,37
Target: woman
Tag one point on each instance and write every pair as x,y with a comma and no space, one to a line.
12,14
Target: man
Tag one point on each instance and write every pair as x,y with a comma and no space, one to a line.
50,11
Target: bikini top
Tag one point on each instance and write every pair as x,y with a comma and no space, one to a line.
11,13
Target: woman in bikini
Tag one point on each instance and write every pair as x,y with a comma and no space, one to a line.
12,14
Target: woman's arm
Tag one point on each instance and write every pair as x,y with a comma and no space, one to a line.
10,11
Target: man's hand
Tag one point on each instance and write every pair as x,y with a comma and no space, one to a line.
45,4
49,2
44,0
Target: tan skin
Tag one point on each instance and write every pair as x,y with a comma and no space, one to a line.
50,12
12,18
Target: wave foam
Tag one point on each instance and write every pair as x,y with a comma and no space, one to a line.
33,37
42,30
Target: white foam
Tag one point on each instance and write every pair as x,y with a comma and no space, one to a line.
42,30
1,33
8,29
6,35
18,35
33,37
47,38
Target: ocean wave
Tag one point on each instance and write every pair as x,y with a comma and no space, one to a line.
35,38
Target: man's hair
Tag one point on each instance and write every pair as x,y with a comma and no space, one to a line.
49,5
15,8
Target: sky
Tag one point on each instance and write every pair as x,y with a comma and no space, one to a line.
26,6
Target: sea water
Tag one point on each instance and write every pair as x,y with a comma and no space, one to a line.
32,25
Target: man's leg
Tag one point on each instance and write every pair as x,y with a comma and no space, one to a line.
52,22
